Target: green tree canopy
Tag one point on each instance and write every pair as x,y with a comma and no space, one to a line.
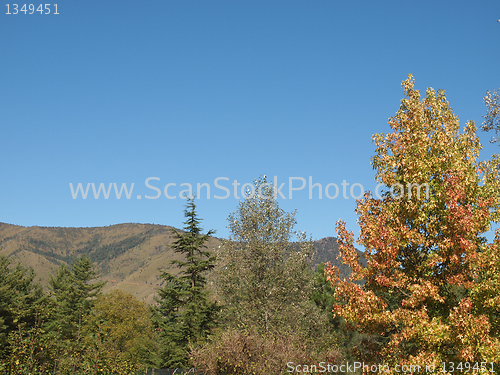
21,302
74,294
119,333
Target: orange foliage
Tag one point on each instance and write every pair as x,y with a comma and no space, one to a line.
431,286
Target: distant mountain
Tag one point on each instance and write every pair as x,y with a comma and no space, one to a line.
327,250
127,256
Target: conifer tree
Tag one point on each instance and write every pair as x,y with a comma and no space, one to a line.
185,313
22,301
74,294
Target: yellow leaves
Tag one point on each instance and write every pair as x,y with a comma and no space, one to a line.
348,252
429,333
420,292
425,137
365,310
423,255
472,333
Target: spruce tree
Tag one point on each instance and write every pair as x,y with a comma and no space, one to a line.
185,314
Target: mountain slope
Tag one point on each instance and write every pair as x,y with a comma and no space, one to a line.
127,256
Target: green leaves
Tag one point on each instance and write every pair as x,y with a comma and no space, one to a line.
264,279
119,334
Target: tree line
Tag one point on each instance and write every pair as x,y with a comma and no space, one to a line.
72,328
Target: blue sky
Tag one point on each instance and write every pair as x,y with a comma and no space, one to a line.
190,91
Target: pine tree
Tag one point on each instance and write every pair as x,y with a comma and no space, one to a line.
185,313
74,294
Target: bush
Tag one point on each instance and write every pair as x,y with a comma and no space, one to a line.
243,351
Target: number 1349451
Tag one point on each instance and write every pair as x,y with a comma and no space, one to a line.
31,9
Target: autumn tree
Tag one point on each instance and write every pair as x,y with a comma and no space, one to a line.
185,313
430,289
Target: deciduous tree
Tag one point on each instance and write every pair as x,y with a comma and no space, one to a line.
430,288
265,283
492,117
118,334
264,279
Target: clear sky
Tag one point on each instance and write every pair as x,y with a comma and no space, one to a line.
191,91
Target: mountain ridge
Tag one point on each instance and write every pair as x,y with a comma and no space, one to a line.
129,256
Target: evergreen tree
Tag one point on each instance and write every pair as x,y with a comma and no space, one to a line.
322,294
185,314
74,295
21,303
